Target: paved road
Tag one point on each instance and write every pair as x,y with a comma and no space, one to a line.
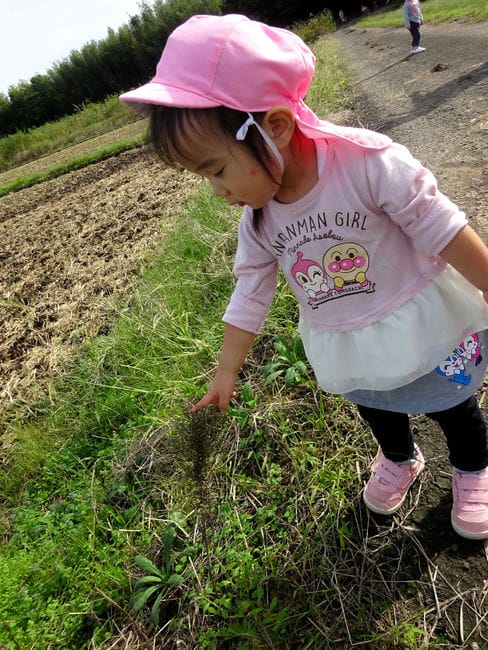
436,102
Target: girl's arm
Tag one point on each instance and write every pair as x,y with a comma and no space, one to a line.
467,253
237,343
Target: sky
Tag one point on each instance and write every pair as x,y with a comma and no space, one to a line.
35,34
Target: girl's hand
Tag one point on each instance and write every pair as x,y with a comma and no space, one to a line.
219,393
234,350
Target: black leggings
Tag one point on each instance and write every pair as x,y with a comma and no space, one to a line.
415,31
463,425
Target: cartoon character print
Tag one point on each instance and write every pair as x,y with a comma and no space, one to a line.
310,276
472,348
453,367
347,263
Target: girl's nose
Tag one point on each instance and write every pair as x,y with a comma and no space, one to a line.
217,188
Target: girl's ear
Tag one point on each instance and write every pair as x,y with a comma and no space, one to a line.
279,124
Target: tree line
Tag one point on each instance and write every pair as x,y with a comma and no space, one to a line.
125,58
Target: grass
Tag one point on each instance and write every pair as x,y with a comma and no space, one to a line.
253,498
330,90
145,524
77,162
128,523
88,122
434,12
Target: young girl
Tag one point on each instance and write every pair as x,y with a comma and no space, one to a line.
390,279
413,19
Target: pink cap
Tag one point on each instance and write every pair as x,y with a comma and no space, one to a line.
228,61
242,64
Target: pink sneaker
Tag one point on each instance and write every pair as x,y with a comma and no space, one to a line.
469,515
389,483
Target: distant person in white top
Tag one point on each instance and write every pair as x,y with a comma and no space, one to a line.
413,20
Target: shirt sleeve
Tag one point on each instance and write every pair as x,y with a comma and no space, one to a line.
409,195
406,15
256,270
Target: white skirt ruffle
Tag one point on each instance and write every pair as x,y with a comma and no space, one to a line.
405,345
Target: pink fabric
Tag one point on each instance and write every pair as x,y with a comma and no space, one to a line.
218,60
383,205
242,64
411,11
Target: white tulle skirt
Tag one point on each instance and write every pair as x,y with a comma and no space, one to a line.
405,345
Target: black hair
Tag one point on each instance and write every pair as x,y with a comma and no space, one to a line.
170,126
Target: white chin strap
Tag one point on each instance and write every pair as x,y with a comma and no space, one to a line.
242,132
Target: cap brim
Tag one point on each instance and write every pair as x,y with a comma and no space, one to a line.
154,94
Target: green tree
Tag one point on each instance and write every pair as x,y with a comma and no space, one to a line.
276,12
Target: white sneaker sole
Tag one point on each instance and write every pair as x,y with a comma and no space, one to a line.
468,535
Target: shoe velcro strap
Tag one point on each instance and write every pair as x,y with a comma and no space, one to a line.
473,483
474,496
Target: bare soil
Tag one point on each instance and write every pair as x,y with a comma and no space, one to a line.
71,249
435,103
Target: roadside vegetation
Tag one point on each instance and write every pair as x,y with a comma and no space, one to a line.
434,13
128,523
89,121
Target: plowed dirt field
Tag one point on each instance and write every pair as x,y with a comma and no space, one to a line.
70,248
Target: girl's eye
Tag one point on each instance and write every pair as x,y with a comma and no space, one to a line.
220,172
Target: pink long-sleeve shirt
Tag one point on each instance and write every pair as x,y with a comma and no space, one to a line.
360,244
411,12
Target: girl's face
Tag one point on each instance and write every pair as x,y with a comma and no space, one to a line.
231,170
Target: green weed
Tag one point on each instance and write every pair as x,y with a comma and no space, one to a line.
158,580
312,29
244,413
290,362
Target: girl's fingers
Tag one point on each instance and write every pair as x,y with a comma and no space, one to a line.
205,401
213,400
